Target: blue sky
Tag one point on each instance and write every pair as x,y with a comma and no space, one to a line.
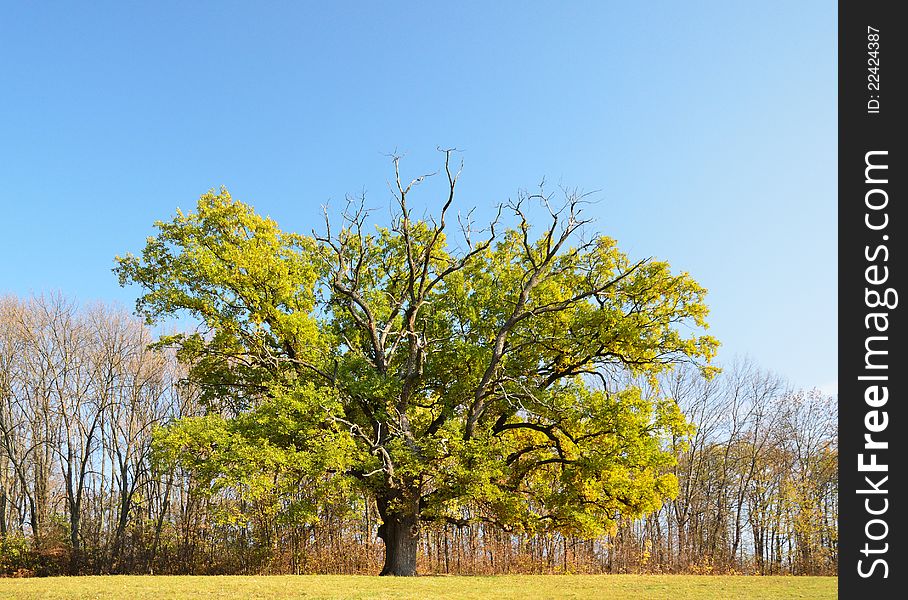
708,129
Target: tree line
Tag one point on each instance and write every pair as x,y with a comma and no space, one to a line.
84,395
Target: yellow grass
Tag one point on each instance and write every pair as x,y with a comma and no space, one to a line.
612,587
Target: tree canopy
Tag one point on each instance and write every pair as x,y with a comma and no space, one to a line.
455,377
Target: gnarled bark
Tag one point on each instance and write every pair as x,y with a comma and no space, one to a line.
400,533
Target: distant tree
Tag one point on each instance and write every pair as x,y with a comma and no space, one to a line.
79,392
452,382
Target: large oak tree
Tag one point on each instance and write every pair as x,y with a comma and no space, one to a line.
450,378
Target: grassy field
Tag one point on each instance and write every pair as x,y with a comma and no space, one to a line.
613,587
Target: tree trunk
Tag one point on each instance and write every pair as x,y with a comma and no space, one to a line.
75,526
400,533
3,503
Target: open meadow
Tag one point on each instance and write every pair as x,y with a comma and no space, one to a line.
635,587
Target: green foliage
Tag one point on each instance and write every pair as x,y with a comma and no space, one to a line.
248,283
16,556
279,455
21,557
467,381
